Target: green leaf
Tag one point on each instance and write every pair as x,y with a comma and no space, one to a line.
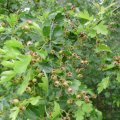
75,85
2,51
7,76
108,67
87,108
118,77
56,111
103,84
25,83
79,114
43,54
84,15
44,84
59,17
34,100
12,20
101,29
38,29
58,31
14,44
102,47
7,64
79,103
2,29
92,33
99,114
21,66
8,51
46,31
80,28
14,113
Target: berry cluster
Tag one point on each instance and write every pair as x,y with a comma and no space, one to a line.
117,60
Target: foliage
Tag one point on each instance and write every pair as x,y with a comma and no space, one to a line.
58,60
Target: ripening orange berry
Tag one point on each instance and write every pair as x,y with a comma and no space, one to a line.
87,100
34,54
69,74
28,89
52,52
25,27
83,92
74,54
34,80
57,83
29,43
54,77
79,76
40,75
61,51
63,68
22,108
77,70
70,90
53,71
29,21
73,7
69,101
78,96
82,34
86,97
94,96
78,57
15,101
84,62
62,79
38,59
3,24
65,84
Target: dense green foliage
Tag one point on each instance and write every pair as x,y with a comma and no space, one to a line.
59,60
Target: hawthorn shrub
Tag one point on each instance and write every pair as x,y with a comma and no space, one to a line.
57,62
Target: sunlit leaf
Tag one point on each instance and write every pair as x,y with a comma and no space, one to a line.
8,64
118,77
103,84
7,76
2,29
25,82
108,67
34,100
12,19
79,103
101,29
87,108
21,66
14,113
43,54
103,47
13,43
85,15
79,114
75,85
56,112
44,84
92,33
